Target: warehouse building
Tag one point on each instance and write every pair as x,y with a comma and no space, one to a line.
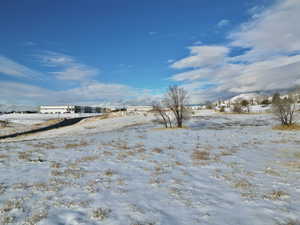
70,109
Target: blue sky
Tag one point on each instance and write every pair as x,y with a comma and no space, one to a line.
90,52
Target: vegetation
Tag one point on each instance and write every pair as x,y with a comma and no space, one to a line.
172,112
283,109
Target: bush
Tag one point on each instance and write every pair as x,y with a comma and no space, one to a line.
237,108
222,109
284,110
265,102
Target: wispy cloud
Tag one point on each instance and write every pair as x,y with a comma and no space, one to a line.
12,68
151,33
202,56
68,67
223,23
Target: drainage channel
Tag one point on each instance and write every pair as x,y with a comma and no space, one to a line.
64,123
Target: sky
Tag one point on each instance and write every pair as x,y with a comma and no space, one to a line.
93,52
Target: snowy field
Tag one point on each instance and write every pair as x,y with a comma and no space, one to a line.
34,118
226,169
20,122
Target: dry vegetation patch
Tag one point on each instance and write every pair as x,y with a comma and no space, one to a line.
276,195
293,127
76,145
242,184
101,213
200,155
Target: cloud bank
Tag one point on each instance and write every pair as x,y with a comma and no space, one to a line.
270,59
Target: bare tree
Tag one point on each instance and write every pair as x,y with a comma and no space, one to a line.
164,116
176,99
284,109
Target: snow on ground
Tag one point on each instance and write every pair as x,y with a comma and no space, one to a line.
20,122
227,169
34,118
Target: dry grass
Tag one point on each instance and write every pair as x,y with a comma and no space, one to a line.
36,218
88,159
200,155
76,145
293,127
2,156
297,155
276,195
293,165
9,205
55,165
143,223
157,150
7,220
173,128
101,213
242,184
109,173
290,222
72,173
46,145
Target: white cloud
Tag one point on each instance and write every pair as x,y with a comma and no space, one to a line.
202,56
272,63
192,74
274,30
92,92
69,67
151,33
223,23
12,68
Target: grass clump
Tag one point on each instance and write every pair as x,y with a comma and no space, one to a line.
200,155
101,213
292,127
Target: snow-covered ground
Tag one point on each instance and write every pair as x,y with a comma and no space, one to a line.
227,169
34,118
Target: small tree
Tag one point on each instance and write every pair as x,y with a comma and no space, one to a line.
208,105
176,99
245,103
276,97
172,111
265,102
283,109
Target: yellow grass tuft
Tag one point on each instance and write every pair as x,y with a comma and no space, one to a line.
173,128
200,155
293,127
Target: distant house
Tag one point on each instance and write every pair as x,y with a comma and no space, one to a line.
194,106
69,109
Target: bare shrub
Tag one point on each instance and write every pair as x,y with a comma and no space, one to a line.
3,123
284,109
276,195
101,213
237,108
163,116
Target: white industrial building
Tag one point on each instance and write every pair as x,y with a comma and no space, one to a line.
139,108
69,109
